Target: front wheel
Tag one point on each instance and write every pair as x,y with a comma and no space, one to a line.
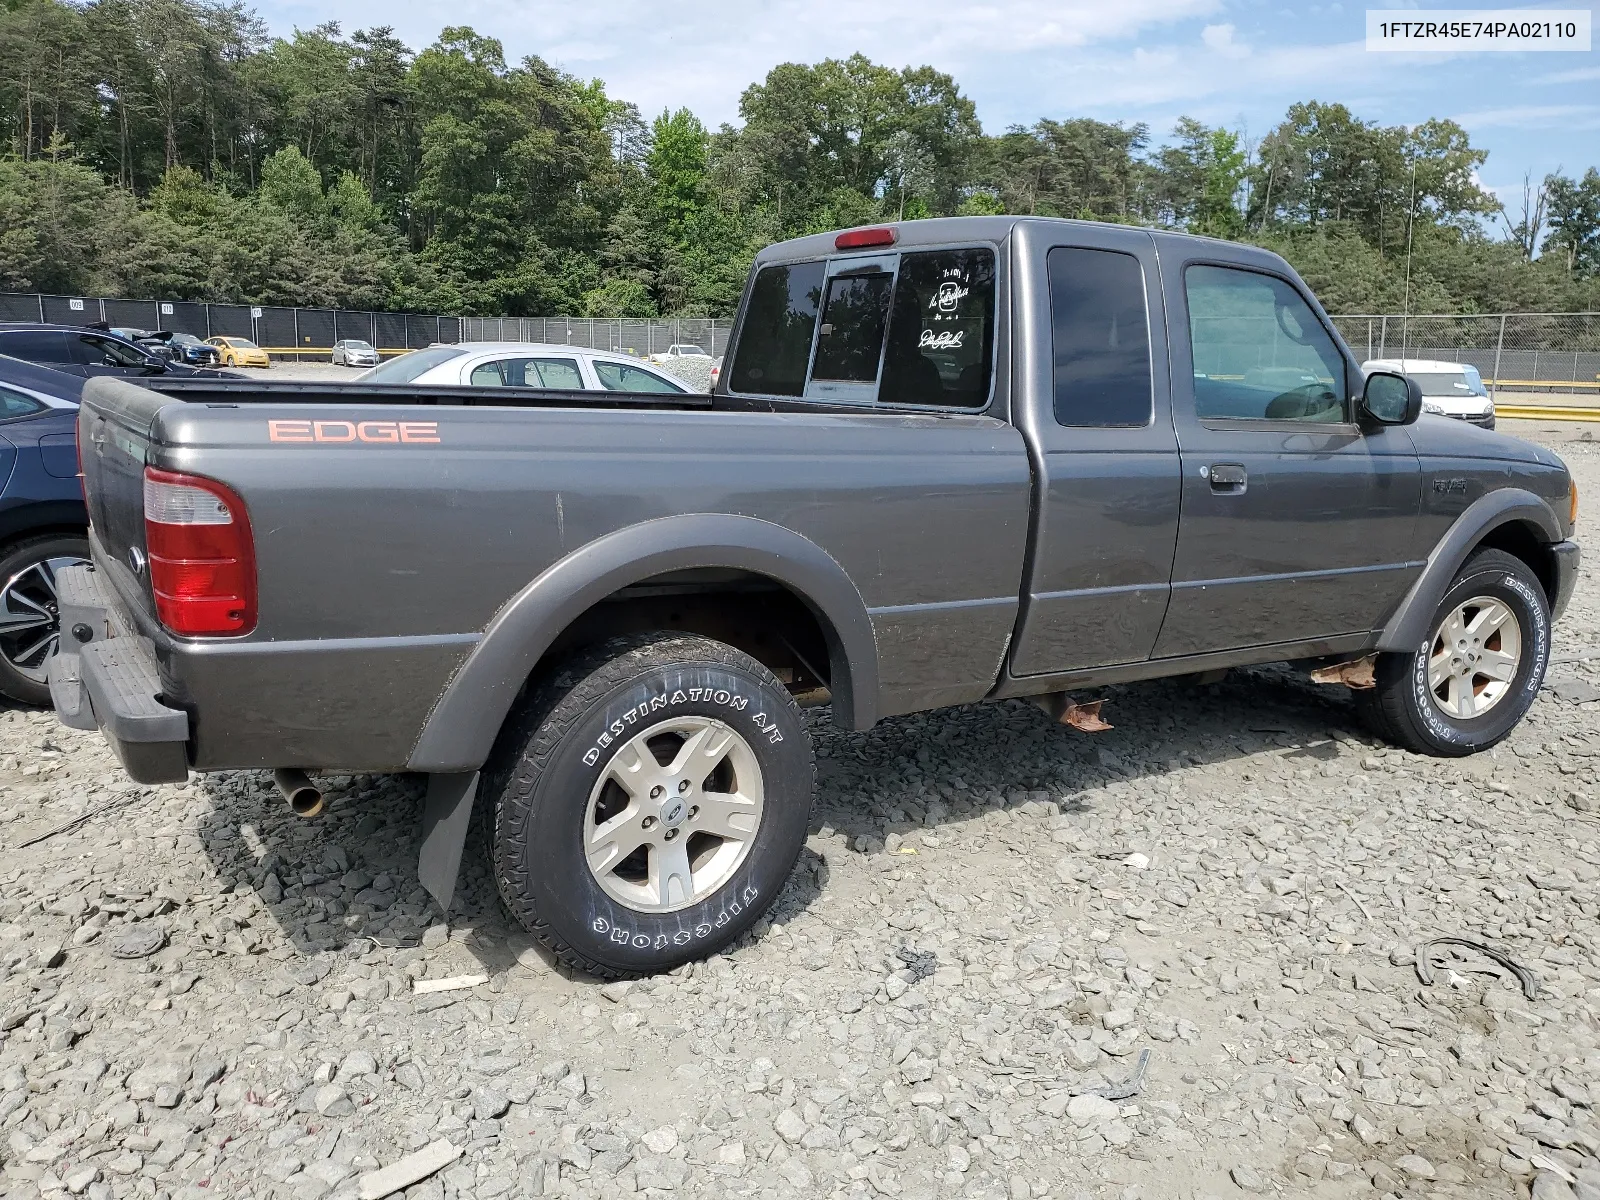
1474,679
649,802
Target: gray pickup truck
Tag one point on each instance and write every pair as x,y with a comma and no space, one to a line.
950,461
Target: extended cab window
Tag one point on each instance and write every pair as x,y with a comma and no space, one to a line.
941,330
1100,338
1260,354
779,322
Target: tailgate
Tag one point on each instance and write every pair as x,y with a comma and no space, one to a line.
114,424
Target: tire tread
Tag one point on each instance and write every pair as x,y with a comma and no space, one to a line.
537,726
1386,706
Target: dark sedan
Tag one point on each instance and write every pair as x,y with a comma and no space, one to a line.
86,351
166,344
42,518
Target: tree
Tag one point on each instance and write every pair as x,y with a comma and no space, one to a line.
1073,168
1574,220
1202,175
1529,227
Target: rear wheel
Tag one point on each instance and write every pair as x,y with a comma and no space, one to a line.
649,801
30,618
1474,679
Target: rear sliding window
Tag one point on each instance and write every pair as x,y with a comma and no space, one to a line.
919,327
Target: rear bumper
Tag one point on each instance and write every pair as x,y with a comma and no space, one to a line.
110,682
1568,557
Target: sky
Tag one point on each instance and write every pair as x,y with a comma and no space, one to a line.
1238,63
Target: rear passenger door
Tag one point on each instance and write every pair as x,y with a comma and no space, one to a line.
1297,521
1106,495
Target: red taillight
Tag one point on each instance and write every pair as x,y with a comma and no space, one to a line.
857,239
201,554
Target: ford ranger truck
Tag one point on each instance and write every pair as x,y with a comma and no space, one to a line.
949,461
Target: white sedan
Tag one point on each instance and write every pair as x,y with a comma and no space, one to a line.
523,364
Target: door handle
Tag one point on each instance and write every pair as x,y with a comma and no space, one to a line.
1227,479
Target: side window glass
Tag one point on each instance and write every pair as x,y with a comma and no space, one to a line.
1260,354
850,341
1100,338
102,351
559,373
775,338
941,330
487,374
36,345
620,377
16,404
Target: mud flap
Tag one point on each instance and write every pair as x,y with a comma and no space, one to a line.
446,816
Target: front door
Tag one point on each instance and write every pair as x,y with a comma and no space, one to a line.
1107,482
1297,522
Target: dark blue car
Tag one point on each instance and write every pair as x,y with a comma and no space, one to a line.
43,522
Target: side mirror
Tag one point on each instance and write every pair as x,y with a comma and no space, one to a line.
1391,399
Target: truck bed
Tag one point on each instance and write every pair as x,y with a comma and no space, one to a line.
384,560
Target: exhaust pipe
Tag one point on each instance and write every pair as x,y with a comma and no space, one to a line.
296,787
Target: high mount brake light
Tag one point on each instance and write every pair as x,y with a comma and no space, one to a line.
860,239
201,554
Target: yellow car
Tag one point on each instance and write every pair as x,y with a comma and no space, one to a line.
239,352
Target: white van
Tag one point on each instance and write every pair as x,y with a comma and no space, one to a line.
1449,389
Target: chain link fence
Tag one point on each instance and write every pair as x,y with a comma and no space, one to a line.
1514,352
623,335
1536,353
288,334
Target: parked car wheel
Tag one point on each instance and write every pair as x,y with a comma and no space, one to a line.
30,622
648,802
1477,675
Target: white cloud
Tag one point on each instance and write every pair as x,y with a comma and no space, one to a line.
1581,75
1533,116
705,54
1219,38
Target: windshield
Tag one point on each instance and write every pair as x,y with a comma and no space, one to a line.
187,339
355,345
241,343
1448,383
408,367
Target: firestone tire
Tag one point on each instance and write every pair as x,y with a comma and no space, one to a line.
1404,707
557,765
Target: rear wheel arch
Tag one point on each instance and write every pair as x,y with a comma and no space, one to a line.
520,639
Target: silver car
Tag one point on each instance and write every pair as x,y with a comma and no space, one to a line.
524,364
353,352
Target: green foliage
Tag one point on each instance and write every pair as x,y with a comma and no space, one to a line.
171,148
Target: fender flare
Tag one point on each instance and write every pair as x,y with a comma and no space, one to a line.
1408,626
461,730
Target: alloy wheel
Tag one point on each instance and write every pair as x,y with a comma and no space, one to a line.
1474,657
673,814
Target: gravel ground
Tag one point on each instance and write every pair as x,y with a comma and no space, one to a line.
994,920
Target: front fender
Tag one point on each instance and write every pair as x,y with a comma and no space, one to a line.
463,725
1409,625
